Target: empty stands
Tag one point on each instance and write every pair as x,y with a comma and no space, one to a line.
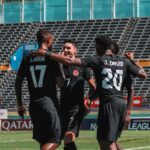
132,34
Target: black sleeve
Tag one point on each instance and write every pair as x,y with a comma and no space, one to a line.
132,69
90,62
87,74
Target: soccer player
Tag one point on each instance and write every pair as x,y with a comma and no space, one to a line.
130,90
128,83
72,96
43,74
110,72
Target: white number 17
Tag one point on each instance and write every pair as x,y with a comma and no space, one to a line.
38,82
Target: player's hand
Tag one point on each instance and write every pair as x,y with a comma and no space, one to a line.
21,111
127,119
87,104
129,55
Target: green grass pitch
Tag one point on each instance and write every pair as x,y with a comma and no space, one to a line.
22,140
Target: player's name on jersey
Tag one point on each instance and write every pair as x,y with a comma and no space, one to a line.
113,63
37,59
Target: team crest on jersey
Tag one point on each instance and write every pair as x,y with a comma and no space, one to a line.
75,72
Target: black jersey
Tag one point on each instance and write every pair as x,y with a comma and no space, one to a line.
110,73
73,90
41,73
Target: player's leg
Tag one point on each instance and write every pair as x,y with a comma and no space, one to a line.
118,146
72,129
112,125
106,145
122,115
49,146
46,123
107,126
69,141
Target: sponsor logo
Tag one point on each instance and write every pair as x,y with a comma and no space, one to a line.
139,124
16,124
135,124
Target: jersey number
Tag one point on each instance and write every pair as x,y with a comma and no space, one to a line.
38,82
116,79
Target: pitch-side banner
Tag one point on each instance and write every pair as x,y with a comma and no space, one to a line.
136,102
135,124
15,124
87,124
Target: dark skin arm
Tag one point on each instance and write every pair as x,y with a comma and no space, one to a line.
87,101
60,58
130,56
130,91
18,89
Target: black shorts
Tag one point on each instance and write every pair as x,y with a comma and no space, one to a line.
111,119
72,119
46,121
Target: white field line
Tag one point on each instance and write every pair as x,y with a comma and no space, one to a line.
138,148
12,141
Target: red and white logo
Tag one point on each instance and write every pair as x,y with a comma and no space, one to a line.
76,72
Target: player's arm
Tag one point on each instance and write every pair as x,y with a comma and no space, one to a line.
130,91
91,83
18,89
141,73
130,94
59,58
92,86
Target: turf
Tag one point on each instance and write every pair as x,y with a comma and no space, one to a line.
22,140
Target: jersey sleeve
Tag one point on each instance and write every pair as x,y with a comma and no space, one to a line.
89,62
132,69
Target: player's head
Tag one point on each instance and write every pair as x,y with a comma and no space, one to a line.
115,48
44,37
69,48
102,43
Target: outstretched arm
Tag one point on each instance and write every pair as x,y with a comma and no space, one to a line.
60,58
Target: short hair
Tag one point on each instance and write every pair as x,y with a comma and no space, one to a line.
104,42
43,35
72,41
115,47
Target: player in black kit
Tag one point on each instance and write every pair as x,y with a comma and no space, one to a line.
72,96
42,76
110,72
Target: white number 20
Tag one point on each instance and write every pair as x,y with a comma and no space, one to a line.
116,79
38,82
